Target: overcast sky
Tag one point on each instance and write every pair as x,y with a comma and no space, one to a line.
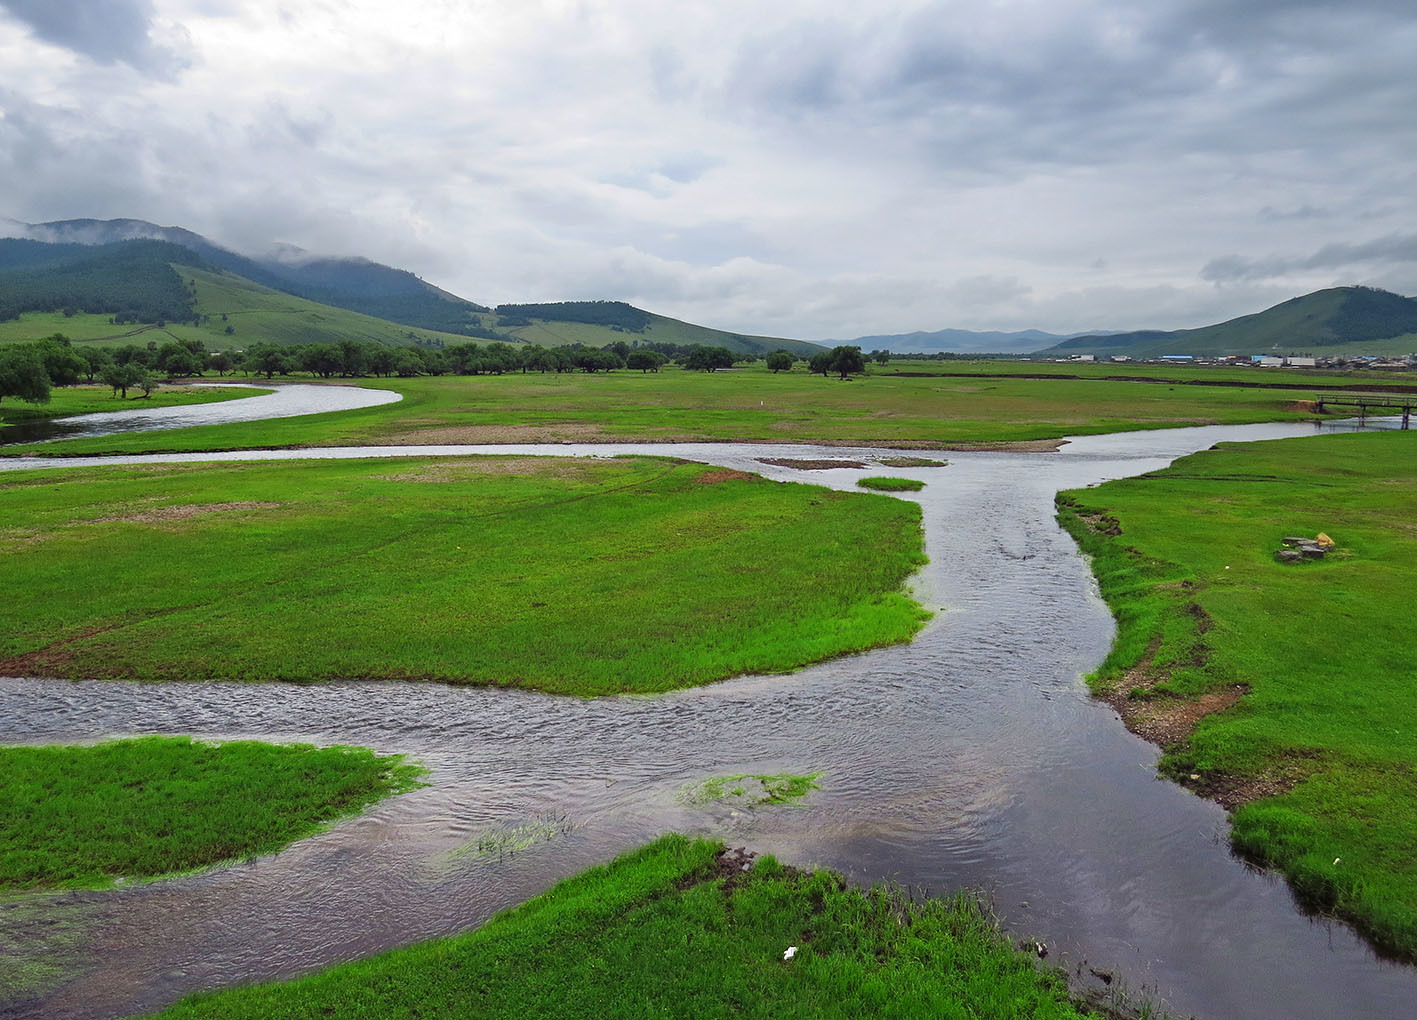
823,169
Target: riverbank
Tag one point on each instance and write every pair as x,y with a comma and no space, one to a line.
740,406
1281,690
682,929
70,400
86,817
580,577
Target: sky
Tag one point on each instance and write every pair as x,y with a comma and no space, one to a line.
816,169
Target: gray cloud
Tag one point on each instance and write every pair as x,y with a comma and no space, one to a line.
108,32
1389,250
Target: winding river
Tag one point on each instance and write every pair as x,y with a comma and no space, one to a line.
971,757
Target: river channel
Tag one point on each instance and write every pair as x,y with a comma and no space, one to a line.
972,757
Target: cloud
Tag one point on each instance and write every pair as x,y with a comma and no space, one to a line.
1386,251
107,32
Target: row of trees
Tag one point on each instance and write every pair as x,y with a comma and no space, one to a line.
28,371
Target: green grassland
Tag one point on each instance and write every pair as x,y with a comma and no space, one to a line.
750,404
570,576
67,400
1197,375
1319,756
884,483
85,816
670,931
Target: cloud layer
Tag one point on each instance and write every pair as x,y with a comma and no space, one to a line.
809,169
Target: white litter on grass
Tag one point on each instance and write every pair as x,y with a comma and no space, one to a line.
1338,860
791,952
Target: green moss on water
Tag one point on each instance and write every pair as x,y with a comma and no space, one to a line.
752,789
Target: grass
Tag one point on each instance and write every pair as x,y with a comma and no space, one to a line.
752,789
883,483
751,404
571,576
84,817
671,931
913,462
67,400
1319,756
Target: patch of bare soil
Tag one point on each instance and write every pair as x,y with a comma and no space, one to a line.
912,462
184,511
724,475
810,465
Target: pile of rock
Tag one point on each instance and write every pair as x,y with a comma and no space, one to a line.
1297,549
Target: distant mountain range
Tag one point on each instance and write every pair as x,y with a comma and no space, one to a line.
960,341
1340,320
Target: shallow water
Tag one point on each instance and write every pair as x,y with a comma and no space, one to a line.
287,401
971,757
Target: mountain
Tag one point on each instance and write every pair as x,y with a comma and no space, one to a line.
598,323
356,284
1340,320
960,341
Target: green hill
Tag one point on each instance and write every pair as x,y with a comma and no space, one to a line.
253,313
216,301
564,323
1337,321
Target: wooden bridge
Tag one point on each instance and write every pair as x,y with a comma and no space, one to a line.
1382,403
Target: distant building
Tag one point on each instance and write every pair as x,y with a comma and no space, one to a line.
1178,357
1268,361
1301,362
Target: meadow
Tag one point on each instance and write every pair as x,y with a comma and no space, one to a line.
569,576
88,816
749,404
677,930
1297,678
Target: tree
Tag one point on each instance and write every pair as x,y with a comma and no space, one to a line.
121,377
708,359
847,361
820,364
779,361
881,357
96,358
22,375
61,362
221,361
268,360
645,361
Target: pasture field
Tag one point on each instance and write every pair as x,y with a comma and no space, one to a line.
87,816
1285,691
569,576
749,404
677,930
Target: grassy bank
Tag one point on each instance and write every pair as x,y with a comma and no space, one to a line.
748,404
670,930
1298,679
67,400
571,576
81,817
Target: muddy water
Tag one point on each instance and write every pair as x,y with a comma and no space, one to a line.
972,757
287,401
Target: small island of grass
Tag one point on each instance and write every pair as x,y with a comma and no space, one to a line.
87,816
884,483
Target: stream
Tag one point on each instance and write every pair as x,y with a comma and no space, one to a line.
972,757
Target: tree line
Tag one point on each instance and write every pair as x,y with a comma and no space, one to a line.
28,371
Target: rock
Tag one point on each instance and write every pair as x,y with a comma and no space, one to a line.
1289,556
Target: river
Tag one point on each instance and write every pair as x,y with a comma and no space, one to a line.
972,757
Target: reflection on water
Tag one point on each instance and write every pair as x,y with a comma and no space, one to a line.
971,757
287,401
